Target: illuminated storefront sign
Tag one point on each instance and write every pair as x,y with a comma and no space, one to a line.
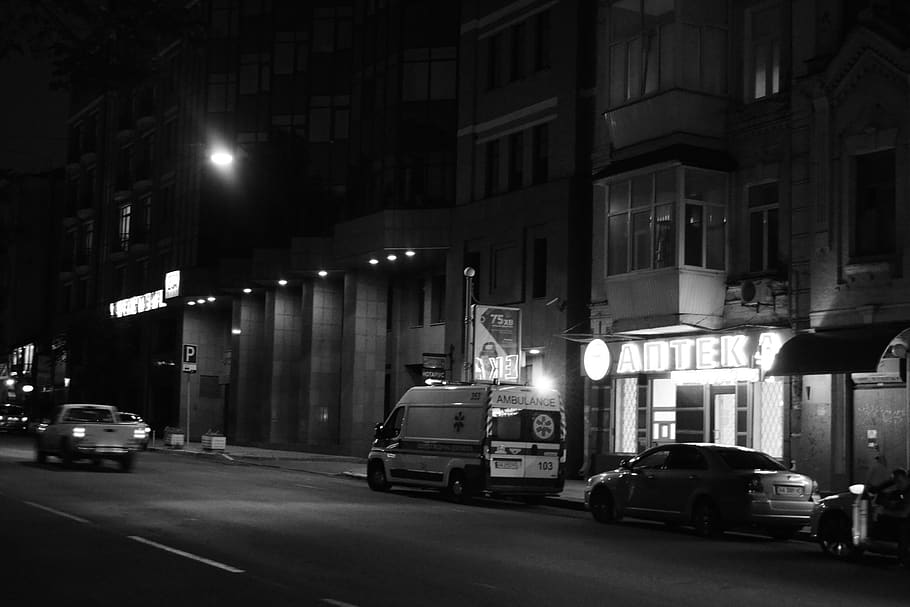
138,304
497,344
731,357
172,284
597,359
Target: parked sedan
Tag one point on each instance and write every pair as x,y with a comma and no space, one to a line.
711,487
132,418
13,418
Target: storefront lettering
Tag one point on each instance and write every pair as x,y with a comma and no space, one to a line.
138,304
706,352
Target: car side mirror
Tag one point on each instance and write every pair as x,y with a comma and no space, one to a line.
624,463
377,430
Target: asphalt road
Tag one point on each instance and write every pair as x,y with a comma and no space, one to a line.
183,530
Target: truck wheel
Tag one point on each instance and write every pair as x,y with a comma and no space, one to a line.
706,519
601,506
835,536
376,477
66,454
458,487
127,462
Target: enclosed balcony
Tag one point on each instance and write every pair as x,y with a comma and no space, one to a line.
667,70
659,248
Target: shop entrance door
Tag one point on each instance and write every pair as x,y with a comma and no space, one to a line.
723,415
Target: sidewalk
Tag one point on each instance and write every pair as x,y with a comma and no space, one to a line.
572,496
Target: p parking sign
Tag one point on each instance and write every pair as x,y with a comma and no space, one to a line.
189,358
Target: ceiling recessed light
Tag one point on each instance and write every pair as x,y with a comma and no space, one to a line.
200,301
410,253
282,282
323,273
534,351
236,331
391,257
248,290
373,261
210,298
191,303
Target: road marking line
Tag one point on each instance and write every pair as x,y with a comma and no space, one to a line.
307,486
186,554
58,513
338,603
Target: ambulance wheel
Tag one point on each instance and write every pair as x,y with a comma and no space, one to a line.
376,477
835,536
458,487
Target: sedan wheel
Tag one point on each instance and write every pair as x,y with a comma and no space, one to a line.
376,478
601,505
706,520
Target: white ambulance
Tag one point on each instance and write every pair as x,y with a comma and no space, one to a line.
492,440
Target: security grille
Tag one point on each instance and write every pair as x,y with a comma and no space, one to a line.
626,422
769,418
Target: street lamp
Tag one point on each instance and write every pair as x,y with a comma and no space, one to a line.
466,374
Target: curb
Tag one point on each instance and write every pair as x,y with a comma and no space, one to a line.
274,462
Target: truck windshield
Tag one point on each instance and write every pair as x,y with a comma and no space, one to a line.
526,425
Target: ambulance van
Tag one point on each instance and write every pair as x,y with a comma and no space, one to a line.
471,440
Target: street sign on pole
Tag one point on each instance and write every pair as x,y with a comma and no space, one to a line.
189,358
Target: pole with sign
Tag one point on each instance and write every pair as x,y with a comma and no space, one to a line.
189,367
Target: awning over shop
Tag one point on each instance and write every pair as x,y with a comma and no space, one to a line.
834,351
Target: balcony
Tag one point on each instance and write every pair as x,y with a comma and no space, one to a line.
673,112
665,298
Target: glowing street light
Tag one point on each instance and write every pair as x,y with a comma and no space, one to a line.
322,273
221,158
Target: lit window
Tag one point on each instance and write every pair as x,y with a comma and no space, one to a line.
763,52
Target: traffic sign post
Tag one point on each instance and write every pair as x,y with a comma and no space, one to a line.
189,367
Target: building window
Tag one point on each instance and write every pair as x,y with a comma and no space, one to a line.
255,69
291,52
221,92
420,298
874,216
492,168
641,222
640,33
517,56
763,227
542,41
438,299
540,153
516,160
428,73
88,240
495,60
539,273
705,219
764,27
329,118
123,230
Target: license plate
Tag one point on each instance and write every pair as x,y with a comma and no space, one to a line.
507,464
787,490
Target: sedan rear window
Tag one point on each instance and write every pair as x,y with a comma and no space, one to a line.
748,460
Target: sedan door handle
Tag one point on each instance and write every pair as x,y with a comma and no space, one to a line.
650,476
693,477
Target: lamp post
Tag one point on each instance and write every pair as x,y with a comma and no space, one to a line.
466,373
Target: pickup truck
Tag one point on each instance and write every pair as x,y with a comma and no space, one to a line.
89,431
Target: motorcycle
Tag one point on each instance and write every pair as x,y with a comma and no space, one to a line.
846,525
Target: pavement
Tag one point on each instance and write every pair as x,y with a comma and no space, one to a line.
572,496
